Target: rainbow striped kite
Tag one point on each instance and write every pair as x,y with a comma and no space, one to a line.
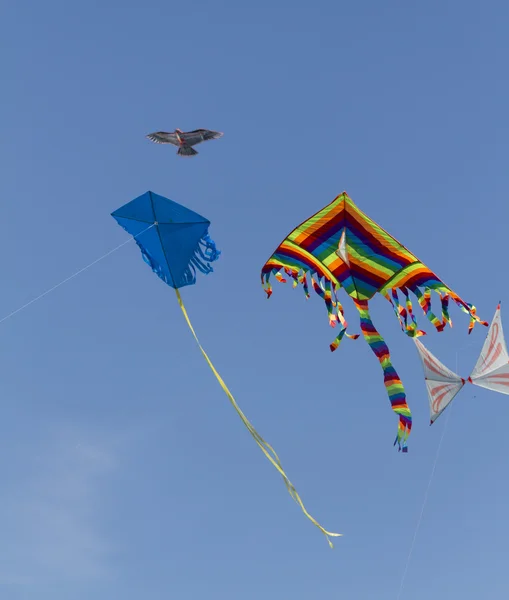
340,246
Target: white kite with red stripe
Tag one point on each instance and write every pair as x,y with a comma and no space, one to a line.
442,383
492,368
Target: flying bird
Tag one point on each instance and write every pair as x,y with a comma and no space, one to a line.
185,140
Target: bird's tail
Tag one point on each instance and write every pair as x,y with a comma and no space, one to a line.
186,151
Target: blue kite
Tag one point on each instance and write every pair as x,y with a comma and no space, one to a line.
175,239
174,242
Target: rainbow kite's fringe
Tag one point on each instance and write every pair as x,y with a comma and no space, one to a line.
327,290
407,318
473,317
445,309
323,287
337,341
335,344
424,300
470,309
393,385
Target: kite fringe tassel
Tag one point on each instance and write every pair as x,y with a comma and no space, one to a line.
323,287
407,319
266,448
205,253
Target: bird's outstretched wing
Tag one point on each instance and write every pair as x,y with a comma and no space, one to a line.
163,137
197,136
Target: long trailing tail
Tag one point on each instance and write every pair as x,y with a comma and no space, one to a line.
265,447
186,151
393,385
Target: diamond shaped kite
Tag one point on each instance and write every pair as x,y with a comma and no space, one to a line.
173,239
340,246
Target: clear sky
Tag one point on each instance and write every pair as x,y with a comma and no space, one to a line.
125,472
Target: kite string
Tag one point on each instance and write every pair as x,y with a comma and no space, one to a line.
263,445
67,279
429,485
426,493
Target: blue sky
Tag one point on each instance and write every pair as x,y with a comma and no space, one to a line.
125,471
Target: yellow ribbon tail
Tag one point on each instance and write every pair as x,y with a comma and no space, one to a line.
263,445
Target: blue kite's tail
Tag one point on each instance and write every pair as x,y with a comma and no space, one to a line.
262,444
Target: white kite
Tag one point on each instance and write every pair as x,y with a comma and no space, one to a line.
491,370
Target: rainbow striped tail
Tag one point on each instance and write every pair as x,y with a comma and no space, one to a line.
393,385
